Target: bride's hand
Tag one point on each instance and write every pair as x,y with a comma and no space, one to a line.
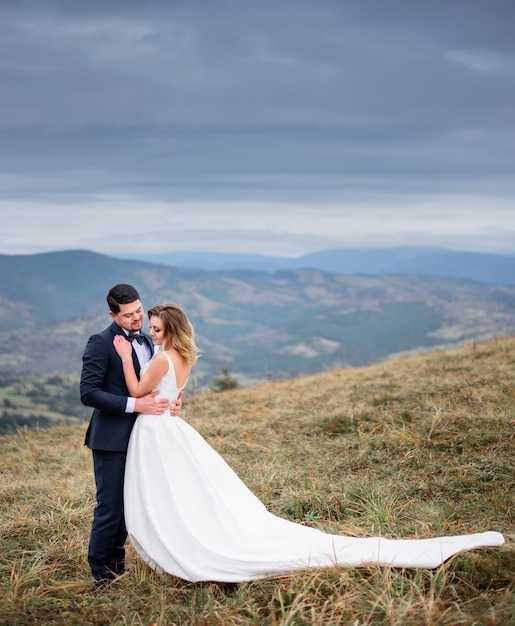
123,347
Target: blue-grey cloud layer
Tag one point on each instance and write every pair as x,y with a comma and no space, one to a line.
283,102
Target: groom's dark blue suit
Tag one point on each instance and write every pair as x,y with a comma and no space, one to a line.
102,386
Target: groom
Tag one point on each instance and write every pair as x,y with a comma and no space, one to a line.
102,386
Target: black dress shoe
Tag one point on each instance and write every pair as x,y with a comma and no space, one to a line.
101,585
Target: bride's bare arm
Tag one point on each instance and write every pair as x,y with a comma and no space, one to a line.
155,371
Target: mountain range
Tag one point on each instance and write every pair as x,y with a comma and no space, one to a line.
259,325
479,266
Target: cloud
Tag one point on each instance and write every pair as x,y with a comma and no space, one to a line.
120,224
386,123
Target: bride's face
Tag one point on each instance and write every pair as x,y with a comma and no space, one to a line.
156,331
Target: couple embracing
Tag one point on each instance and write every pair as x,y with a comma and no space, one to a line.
162,485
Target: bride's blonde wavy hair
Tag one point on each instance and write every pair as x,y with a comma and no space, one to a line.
178,330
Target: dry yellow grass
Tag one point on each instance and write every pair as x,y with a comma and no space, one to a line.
412,447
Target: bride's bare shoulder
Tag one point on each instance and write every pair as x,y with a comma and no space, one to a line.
159,362
181,368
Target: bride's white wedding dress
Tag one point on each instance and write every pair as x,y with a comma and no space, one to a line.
188,514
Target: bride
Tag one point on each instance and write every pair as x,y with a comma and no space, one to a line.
187,512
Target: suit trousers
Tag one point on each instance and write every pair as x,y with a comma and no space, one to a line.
106,553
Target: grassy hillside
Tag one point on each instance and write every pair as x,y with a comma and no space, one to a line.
412,447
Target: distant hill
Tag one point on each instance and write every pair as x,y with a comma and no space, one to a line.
482,267
258,324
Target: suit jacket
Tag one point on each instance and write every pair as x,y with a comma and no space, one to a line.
102,386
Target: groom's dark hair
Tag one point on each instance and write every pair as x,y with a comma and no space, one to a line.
121,294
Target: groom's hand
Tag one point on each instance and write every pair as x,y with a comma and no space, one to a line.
151,405
176,405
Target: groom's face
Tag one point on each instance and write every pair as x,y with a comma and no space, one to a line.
130,316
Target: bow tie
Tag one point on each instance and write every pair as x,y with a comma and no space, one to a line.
136,336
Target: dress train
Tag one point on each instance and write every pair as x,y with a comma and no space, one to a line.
188,514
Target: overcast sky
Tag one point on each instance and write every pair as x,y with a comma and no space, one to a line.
272,126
